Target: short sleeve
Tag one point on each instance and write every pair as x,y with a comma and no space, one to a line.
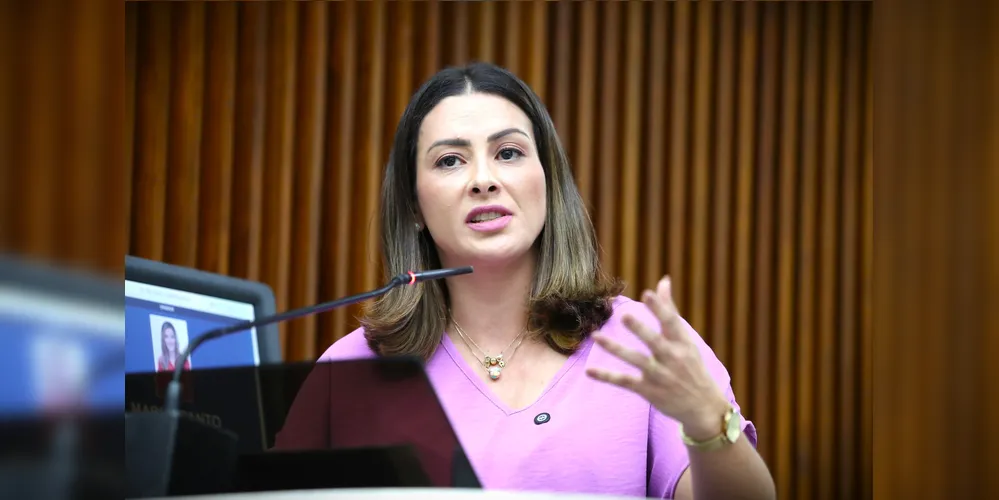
352,346
667,455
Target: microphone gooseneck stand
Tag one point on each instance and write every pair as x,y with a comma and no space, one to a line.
169,453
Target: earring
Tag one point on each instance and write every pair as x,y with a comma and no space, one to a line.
418,227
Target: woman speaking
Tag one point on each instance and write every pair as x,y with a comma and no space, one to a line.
632,400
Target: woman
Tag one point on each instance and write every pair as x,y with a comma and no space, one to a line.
169,349
477,176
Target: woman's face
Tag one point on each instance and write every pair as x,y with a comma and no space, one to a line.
170,339
480,185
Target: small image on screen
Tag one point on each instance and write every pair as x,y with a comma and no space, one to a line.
168,342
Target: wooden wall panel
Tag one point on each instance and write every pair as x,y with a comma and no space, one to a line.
7,86
186,108
252,77
727,144
338,214
784,417
152,101
310,141
279,153
217,147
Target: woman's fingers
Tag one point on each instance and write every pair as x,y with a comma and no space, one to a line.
629,382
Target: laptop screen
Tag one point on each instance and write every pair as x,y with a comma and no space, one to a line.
160,322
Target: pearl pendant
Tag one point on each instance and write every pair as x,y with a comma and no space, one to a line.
494,366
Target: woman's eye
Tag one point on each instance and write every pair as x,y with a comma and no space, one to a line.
508,154
449,161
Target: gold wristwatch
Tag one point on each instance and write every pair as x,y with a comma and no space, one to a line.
731,429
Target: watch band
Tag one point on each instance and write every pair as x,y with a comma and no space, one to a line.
710,444
731,430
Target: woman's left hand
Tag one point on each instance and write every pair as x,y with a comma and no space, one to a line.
673,378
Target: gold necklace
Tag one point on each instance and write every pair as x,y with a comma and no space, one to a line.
494,364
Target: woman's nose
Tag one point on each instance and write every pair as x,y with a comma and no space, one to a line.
484,180
490,188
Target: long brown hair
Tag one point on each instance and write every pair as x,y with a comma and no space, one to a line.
571,296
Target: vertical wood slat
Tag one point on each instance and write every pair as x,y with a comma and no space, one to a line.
118,169
151,120
484,38
829,326
867,271
992,273
279,154
763,232
510,56
184,144
851,293
400,73
14,26
43,200
45,128
339,178
720,248
8,32
38,197
746,152
535,51
608,146
371,143
655,152
962,246
676,242
310,136
586,74
561,78
696,285
631,143
217,146
428,44
84,155
936,355
784,420
248,143
806,465
722,147
881,293
457,29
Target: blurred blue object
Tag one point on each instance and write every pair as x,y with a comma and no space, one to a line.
62,341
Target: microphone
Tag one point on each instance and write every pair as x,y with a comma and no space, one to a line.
169,453
172,401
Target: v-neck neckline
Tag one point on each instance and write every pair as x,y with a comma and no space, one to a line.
483,387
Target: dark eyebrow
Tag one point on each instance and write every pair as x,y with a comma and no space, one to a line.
458,143
464,143
506,132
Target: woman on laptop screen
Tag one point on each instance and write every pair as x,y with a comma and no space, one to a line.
552,379
170,348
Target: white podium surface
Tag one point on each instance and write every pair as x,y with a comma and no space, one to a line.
404,493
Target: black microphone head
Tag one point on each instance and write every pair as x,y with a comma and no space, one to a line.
456,271
436,274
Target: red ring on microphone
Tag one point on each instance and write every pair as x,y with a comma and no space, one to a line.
412,278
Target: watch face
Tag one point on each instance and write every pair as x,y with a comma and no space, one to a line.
733,426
